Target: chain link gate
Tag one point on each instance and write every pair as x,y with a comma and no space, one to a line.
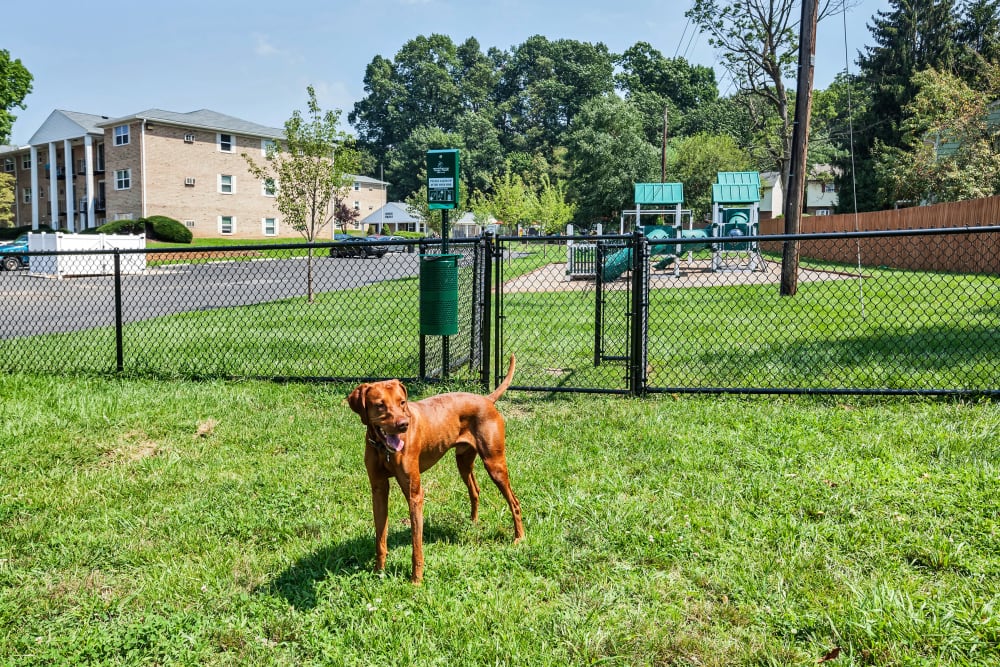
588,339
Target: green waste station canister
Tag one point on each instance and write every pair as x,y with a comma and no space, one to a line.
439,295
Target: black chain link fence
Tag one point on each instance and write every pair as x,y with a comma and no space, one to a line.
874,312
883,312
233,312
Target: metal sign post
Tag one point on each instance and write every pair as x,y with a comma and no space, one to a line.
442,194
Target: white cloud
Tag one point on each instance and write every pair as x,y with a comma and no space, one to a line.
264,47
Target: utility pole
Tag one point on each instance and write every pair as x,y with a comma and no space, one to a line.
800,142
663,148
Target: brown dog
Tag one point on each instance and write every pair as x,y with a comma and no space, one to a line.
405,439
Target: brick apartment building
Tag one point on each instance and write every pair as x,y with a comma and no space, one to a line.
188,166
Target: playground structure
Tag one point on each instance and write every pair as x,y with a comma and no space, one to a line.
736,213
668,197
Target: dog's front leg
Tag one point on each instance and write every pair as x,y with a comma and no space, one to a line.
410,484
380,512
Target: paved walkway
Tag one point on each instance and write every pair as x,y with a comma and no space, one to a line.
554,278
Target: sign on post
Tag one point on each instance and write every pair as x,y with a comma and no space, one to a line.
442,178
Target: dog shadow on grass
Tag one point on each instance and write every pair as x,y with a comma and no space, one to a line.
298,583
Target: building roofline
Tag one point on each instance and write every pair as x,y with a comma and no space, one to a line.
202,119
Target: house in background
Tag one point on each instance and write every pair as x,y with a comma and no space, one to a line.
821,193
82,170
391,218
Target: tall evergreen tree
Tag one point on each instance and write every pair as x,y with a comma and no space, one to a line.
979,39
911,36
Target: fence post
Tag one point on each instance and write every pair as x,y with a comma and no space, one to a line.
486,296
598,302
119,351
498,308
640,312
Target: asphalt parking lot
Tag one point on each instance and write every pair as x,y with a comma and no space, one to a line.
33,305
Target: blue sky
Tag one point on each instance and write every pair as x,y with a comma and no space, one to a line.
254,59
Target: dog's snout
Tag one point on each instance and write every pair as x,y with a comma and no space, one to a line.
402,425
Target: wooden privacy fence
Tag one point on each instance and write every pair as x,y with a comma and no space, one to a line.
972,253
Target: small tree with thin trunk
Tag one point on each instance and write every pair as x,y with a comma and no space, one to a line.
307,170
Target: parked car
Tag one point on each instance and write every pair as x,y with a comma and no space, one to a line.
397,247
11,258
356,246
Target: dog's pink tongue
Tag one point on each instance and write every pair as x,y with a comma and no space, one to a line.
395,442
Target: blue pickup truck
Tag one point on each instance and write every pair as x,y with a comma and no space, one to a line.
12,255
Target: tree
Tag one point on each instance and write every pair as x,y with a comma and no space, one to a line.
552,211
696,161
913,35
543,85
15,84
654,83
609,154
7,195
343,214
309,169
978,34
759,48
949,150
510,200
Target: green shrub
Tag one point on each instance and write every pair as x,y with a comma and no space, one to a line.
162,228
11,233
122,227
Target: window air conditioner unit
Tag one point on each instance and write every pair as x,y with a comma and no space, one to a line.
189,138
189,181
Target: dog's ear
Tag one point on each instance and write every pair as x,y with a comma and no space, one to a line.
356,400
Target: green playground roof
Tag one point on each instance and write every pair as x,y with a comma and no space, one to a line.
738,178
735,194
659,193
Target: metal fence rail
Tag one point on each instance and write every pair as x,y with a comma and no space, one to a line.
598,314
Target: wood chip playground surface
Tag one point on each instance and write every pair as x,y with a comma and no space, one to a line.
697,273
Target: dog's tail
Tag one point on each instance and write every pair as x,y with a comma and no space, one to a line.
499,391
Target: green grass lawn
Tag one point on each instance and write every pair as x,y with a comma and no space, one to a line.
219,523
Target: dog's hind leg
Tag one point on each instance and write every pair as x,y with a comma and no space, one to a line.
466,460
496,466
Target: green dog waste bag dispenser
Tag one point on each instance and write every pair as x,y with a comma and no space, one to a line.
439,295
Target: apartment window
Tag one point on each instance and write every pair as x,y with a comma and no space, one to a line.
227,224
357,186
227,143
270,226
822,211
26,161
829,187
121,135
27,195
269,188
8,164
266,145
123,179
357,205
189,224
227,184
